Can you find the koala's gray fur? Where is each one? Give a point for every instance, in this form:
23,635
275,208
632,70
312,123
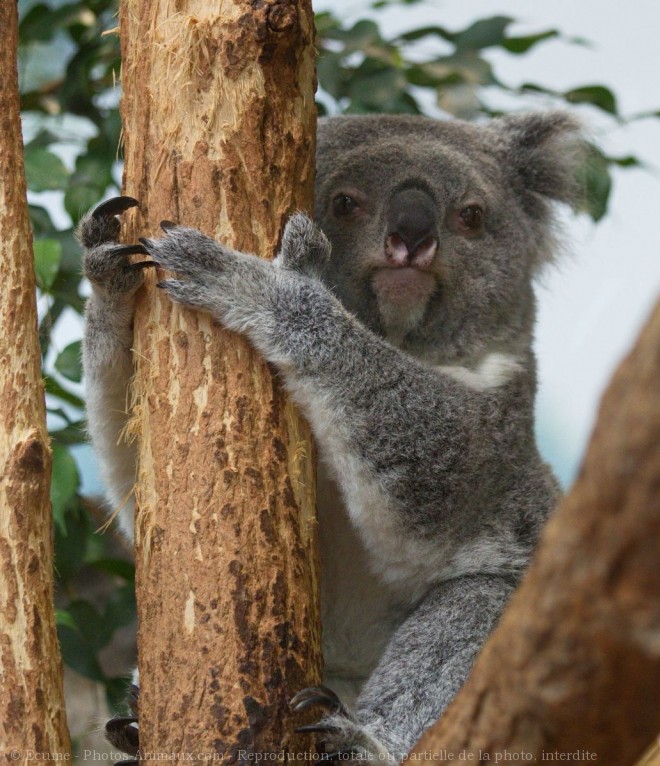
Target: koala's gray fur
414,366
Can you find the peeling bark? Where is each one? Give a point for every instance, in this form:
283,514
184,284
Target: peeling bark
574,666
219,117
32,716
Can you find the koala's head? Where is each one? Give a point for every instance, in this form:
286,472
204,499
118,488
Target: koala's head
437,228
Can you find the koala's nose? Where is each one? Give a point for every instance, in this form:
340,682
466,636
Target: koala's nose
411,229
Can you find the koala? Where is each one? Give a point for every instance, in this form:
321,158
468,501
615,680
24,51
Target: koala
401,322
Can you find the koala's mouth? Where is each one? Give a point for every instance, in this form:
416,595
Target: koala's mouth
406,288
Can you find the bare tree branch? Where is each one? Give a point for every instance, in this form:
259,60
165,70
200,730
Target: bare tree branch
32,716
219,117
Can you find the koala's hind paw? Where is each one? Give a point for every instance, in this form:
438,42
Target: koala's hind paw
101,225
106,263
341,735
122,731
305,247
319,696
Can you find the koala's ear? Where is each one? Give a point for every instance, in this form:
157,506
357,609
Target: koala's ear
544,152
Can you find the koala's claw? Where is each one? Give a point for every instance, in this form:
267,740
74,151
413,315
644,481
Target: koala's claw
342,736
114,206
121,732
105,262
319,696
127,250
167,225
321,727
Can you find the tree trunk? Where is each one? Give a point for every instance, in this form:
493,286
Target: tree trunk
219,118
32,715
574,666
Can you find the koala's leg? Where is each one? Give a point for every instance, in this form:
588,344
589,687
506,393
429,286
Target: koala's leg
426,662
107,342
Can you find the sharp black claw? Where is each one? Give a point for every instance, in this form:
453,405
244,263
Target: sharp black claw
129,250
167,225
316,695
121,733
114,206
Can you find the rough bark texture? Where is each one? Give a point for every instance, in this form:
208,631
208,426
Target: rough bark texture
574,666
32,714
219,122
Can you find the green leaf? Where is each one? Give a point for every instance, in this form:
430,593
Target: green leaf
466,67
417,34
325,23
42,139
71,546
59,412
79,199
598,95
42,225
78,654
330,73
91,624
530,87
118,567
483,33
47,259
378,90
44,171
70,435
55,389
360,36
62,617
64,485
69,364
520,45
42,21
626,162
120,609
594,175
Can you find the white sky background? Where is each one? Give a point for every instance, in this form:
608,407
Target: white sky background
592,306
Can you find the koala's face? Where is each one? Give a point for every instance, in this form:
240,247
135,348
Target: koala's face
437,227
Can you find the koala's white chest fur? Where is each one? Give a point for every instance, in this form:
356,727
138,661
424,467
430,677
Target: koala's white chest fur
358,611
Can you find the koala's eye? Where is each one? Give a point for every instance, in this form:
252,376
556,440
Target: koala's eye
472,217
342,204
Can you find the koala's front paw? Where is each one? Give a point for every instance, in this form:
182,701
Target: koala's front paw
211,277
105,262
341,735
122,731
305,247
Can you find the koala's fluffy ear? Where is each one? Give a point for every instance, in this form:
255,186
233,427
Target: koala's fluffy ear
544,152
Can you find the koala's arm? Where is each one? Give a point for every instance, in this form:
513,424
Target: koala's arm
416,451
107,357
